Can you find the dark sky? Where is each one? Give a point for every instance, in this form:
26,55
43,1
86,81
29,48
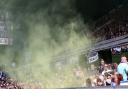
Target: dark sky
93,9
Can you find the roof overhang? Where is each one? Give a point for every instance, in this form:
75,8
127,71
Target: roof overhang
122,40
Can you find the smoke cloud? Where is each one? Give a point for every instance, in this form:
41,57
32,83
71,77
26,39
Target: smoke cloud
48,38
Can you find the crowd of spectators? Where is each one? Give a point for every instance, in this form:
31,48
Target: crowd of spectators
119,49
112,74
112,30
7,83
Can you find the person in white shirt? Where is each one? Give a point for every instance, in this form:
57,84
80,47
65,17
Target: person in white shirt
123,68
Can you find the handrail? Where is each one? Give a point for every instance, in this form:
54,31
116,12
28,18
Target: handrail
113,39
111,44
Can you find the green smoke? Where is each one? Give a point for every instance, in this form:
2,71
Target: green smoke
48,37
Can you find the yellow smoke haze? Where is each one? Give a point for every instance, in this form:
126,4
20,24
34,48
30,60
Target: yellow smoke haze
47,44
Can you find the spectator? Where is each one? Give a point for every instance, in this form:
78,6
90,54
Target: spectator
88,82
116,78
94,81
114,67
106,70
117,50
100,82
123,68
101,68
108,80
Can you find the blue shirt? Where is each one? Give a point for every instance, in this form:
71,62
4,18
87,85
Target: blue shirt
123,70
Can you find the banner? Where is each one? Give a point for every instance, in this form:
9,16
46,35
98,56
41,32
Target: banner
92,57
4,41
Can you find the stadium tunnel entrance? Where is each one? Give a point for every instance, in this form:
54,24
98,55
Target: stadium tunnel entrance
105,55
108,50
